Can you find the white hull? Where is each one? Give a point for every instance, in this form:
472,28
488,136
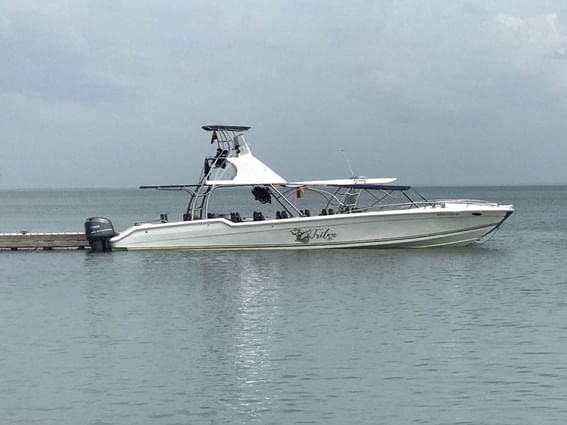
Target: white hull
453,225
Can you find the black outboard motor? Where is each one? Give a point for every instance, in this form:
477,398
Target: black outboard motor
99,231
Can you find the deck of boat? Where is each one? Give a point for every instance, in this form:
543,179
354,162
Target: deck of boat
43,241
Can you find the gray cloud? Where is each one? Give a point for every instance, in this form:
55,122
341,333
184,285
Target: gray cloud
431,92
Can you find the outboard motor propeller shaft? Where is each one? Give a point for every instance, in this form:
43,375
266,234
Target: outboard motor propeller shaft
99,231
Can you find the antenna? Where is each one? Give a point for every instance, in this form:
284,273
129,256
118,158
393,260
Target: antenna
348,163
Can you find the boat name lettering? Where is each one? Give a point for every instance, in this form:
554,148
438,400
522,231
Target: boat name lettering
308,235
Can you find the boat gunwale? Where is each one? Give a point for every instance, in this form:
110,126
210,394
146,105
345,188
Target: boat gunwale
406,214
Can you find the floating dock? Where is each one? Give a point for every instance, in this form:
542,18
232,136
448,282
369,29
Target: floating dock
43,241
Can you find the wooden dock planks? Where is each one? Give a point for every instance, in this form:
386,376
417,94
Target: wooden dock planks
45,241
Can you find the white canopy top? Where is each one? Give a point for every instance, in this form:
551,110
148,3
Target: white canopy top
249,171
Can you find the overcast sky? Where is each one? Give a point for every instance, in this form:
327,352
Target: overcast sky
112,93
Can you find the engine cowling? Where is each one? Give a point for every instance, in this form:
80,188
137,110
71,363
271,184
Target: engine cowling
99,231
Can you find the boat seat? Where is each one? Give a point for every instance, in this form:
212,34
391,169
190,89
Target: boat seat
235,217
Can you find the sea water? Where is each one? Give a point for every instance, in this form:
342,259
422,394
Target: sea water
474,335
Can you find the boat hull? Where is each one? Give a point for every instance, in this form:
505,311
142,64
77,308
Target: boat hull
457,225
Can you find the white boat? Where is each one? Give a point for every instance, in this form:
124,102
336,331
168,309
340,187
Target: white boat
356,212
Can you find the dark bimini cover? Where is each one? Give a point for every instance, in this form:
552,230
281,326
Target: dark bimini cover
372,186
225,127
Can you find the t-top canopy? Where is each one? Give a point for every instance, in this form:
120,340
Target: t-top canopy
225,127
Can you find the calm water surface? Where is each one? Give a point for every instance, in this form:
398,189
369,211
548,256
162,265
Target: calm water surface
447,336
